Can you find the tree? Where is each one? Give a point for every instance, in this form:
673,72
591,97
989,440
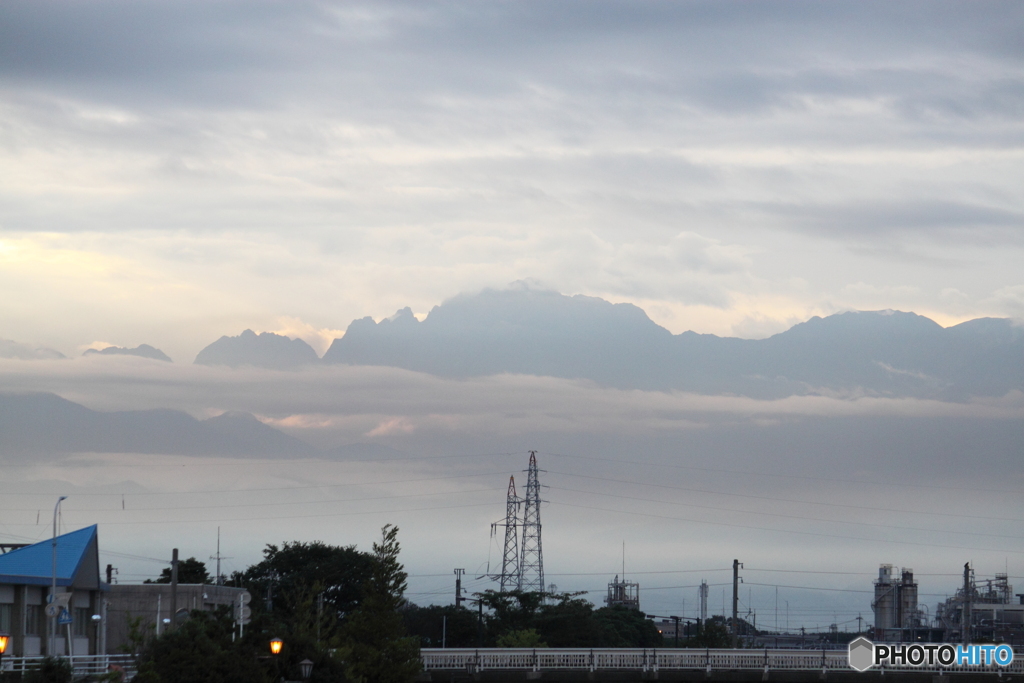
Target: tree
435,625
713,633
527,637
624,627
292,574
377,648
201,650
50,670
189,571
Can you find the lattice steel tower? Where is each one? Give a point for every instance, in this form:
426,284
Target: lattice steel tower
510,576
531,562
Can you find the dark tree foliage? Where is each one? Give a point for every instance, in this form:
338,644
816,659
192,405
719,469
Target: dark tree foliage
294,574
509,611
51,670
377,649
459,625
624,627
567,623
712,633
565,620
189,571
200,650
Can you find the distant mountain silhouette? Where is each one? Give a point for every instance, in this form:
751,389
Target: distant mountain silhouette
46,423
264,350
142,350
546,333
16,350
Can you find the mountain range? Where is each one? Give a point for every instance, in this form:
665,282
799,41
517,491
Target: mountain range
545,333
142,351
522,331
42,423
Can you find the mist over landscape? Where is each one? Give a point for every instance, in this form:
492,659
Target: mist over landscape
747,277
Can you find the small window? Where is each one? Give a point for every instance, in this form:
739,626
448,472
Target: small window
5,618
80,622
33,620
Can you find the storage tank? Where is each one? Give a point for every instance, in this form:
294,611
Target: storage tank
884,604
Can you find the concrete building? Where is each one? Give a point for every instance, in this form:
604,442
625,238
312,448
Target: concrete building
150,604
26,576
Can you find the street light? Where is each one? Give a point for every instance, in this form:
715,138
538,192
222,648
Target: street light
307,668
275,646
53,586
5,638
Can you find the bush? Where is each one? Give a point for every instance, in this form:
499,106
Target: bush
51,670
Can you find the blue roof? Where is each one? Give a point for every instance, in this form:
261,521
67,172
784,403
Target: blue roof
33,564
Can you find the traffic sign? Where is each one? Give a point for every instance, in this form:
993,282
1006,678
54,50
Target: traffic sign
53,609
62,599
65,618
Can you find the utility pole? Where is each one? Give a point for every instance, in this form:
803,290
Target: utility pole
53,587
218,557
480,623
174,587
965,624
736,564
704,600
458,587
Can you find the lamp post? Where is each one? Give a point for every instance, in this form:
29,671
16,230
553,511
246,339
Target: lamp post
275,646
307,669
53,585
6,638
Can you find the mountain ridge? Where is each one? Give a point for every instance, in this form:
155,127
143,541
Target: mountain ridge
536,332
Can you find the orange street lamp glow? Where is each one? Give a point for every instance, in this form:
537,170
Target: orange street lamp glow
4,638
275,646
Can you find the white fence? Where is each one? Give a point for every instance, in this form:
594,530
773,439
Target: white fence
653,660
82,665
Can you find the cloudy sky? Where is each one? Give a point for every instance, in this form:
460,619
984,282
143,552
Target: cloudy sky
172,172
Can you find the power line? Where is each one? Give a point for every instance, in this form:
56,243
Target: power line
297,502
788,531
787,500
330,514
785,516
269,488
754,473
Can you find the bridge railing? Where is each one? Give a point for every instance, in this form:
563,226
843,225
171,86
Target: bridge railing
82,665
668,658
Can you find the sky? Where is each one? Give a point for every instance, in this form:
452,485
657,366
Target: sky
171,172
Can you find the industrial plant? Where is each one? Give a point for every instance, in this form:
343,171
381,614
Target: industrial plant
981,610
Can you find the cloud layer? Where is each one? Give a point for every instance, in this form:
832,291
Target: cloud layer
183,171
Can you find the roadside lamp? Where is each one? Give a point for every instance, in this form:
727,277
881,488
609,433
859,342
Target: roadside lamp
4,639
307,668
275,646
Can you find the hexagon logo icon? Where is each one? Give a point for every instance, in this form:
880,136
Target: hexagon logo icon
861,654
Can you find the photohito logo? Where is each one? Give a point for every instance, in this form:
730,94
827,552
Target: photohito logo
863,654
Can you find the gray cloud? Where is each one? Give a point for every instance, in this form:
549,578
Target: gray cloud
722,474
